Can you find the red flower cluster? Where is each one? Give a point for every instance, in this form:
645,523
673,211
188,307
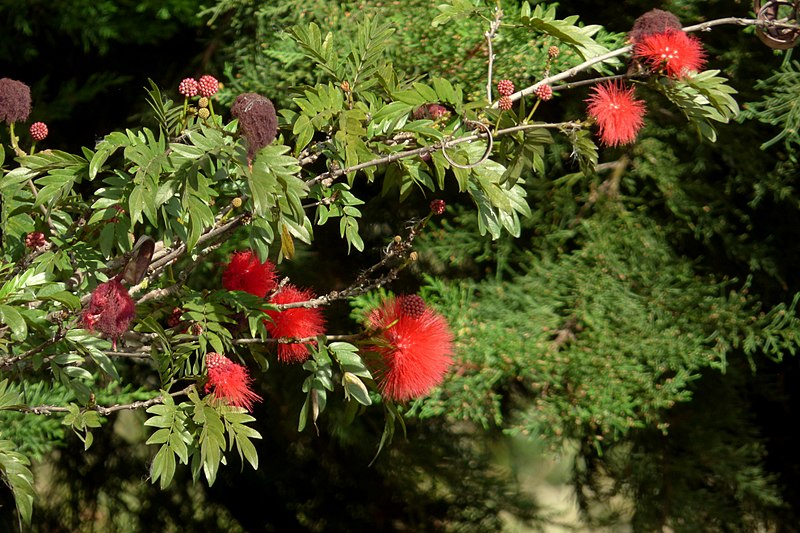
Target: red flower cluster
110,310
246,273
430,111
438,206
294,323
415,345
673,51
206,86
505,103
35,239
230,382
618,114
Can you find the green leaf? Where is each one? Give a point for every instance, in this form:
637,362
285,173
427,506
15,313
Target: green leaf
15,473
14,320
355,388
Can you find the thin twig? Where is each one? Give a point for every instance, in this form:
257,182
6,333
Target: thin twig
103,410
493,26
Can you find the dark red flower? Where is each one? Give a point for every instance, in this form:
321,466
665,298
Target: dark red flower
438,206
35,239
673,51
246,273
110,310
415,349
230,382
257,121
618,114
294,323
430,111
15,101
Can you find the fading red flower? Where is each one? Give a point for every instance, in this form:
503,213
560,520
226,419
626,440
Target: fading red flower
618,114
110,310
415,348
654,21
674,51
294,323
246,273
230,382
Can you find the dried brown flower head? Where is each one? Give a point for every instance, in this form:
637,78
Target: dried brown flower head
257,120
15,101
654,21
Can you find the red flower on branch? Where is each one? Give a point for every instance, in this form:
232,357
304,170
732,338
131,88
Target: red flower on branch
618,114
673,51
415,345
246,273
110,310
294,323
230,382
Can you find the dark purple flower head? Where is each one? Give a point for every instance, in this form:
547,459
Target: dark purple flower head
15,101
654,21
257,120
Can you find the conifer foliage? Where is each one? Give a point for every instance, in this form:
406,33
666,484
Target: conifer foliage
592,327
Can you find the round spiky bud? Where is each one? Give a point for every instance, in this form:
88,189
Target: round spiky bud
544,92
197,329
203,113
412,306
236,202
35,239
188,87
505,87
345,85
437,206
202,102
207,86
38,131
553,52
505,103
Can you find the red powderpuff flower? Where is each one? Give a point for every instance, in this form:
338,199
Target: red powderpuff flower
110,310
246,273
415,348
618,114
294,323
674,51
230,382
